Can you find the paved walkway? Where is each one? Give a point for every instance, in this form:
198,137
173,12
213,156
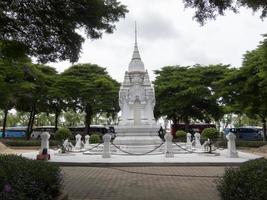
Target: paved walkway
142,183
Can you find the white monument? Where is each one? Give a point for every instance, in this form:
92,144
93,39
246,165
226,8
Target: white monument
137,100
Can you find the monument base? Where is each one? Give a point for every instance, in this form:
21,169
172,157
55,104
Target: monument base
137,135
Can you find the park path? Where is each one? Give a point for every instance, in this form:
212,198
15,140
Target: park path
142,183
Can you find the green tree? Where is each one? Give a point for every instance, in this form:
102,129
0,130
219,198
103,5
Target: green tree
33,95
11,77
210,9
186,93
245,89
88,88
48,29
73,118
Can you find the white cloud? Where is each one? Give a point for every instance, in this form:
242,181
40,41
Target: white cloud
167,35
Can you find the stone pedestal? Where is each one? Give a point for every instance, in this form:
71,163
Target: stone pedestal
137,135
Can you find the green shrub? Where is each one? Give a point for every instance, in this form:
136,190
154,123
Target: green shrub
63,134
94,138
211,133
27,143
24,179
180,134
248,182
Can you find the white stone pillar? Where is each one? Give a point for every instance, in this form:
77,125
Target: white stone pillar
106,152
168,145
87,144
197,140
231,147
44,142
188,141
78,144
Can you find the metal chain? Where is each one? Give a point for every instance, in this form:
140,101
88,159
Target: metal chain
183,148
137,154
193,151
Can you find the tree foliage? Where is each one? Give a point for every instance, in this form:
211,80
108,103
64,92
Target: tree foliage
48,29
88,88
245,89
210,9
185,93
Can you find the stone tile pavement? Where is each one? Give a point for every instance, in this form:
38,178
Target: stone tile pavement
142,183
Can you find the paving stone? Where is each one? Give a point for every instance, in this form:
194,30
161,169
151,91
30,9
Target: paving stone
142,183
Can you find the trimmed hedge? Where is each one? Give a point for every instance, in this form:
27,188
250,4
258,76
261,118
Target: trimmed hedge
247,182
25,179
180,134
211,133
94,138
63,134
27,143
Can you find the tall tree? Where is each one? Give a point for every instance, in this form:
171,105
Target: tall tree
210,9
12,59
185,93
48,29
88,88
245,88
33,95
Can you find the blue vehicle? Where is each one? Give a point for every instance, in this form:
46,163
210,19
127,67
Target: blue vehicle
14,132
245,133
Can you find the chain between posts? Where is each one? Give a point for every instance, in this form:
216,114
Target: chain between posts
192,151
137,154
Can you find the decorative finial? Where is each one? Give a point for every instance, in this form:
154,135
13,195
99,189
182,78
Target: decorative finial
135,33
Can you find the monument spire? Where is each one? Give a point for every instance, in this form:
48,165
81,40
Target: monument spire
136,64
135,33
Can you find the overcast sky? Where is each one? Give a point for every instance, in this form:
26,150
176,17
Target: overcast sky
167,35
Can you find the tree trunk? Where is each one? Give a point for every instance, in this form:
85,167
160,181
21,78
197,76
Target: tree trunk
88,118
264,129
4,123
186,121
30,123
28,134
56,120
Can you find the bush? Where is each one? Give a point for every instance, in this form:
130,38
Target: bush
63,134
27,143
211,133
94,138
180,134
248,182
24,179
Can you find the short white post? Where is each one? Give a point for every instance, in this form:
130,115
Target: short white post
87,138
231,147
188,141
45,142
78,144
197,140
168,145
44,151
106,152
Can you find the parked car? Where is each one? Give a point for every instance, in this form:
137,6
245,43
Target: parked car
14,132
245,133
